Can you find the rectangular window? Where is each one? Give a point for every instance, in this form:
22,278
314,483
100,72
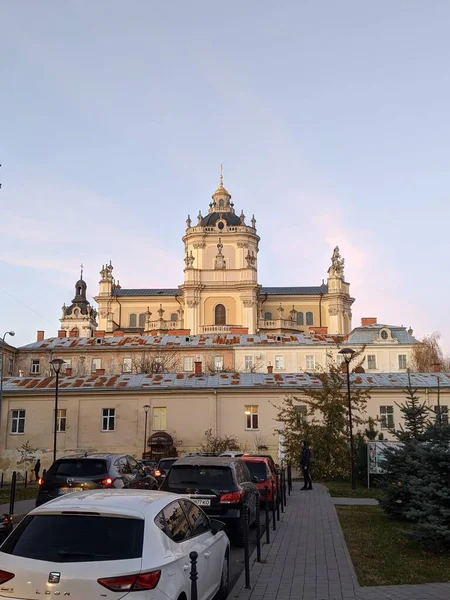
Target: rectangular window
443,413
126,367
61,420
188,363
96,364
17,421
302,413
10,366
387,417
248,363
108,419
310,362
159,418
251,417
402,361
218,363
279,361
371,361
340,359
35,366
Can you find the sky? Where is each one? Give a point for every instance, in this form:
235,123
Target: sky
331,120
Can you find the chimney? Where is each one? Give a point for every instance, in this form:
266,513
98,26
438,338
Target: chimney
68,371
40,336
20,373
368,321
270,368
62,333
99,334
198,367
436,368
74,333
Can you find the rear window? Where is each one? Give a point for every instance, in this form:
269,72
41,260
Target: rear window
87,467
257,469
166,464
76,538
210,477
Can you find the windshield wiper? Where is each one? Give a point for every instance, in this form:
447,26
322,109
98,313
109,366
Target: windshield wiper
90,554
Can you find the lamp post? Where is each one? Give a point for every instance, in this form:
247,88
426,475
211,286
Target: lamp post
56,363
348,353
12,334
146,409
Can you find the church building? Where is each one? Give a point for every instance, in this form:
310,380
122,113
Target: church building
220,293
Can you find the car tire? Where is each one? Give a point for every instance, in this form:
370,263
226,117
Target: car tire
222,593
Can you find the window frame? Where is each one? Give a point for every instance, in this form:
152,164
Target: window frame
158,417
127,361
308,366
248,362
300,318
309,318
35,362
60,418
268,316
111,416
218,362
301,411
372,358
252,418
174,317
191,362
386,411
278,362
132,319
220,314
17,420
403,358
94,362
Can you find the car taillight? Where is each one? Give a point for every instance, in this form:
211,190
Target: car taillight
157,473
233,498
40,481
107,482
131,583
5,576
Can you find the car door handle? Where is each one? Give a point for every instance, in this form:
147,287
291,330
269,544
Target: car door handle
207,554
186,567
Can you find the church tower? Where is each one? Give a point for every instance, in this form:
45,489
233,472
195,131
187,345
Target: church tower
220,289
79,319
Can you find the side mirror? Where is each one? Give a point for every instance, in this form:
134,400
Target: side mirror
255,479
217,526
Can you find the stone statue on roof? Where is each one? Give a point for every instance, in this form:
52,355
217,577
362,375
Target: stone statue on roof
337,264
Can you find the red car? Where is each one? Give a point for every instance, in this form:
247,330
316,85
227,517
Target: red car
261,468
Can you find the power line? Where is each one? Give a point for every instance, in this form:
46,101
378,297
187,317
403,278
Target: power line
25,305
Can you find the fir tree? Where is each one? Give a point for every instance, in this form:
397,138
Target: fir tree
415,416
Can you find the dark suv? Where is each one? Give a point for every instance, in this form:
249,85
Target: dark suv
91,472
219,485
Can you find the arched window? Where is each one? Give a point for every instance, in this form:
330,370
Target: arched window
142,320
267,316
309,318
132,320
79,291
174,317
220,315
300,318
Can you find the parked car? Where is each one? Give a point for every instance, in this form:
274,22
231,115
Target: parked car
220,485
109,543
6,526
163,466
261,469
94,471
149,466
232,453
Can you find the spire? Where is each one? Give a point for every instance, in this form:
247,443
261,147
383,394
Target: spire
221,176
81,276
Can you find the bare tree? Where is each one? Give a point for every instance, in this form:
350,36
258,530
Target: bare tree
427,353
217,444
210,367
156,362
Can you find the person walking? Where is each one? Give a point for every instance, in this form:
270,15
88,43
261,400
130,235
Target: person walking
305,463
37,468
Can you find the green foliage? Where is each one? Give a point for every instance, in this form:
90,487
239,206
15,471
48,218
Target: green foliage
415,415
326,423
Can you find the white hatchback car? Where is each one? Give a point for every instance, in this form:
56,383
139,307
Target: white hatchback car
108,543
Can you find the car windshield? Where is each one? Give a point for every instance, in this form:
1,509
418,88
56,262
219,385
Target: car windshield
166,464
76,538
210,477
86,467
257,469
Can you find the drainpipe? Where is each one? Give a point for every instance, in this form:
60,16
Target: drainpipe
320,309
181,308
120,311
215,411
265,298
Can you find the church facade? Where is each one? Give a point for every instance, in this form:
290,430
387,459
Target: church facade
220,293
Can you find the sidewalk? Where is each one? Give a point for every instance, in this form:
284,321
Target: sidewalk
21,508
307,559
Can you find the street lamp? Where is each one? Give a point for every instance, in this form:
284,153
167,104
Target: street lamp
146,409
348,353
12,334
56,363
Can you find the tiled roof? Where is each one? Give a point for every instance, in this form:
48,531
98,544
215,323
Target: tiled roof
369,333
186,381
295,291
193,341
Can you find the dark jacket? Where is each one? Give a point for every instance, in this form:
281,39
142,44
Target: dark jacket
305,457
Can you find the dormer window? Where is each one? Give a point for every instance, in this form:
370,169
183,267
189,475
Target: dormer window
220,225
384,335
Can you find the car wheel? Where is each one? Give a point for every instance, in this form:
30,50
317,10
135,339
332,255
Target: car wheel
222,593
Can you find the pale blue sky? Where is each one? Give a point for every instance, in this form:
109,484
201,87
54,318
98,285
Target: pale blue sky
331,119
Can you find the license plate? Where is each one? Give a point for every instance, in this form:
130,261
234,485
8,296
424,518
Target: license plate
201,501
70,490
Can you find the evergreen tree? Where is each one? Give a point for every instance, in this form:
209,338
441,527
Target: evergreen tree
415,416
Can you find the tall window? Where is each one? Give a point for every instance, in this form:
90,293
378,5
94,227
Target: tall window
248,363
300,320
108,419
66,365
218,363
188,363
127,365
441,411
17,421
301,414
267,316
402,364
371,361
279,361
309,318
220,316
35,366
159,418
61,419
96,364
387,417
251,417
142,320
310,362
174,317
132,320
